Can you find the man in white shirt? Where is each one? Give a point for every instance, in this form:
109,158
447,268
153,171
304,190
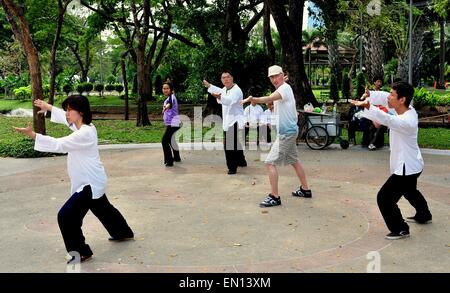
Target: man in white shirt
253,113
406,163
230,96
284,149
373,135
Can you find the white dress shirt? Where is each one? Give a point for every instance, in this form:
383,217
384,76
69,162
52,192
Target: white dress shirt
83,160
232,110
403,130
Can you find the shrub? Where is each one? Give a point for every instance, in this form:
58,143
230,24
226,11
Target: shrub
67,88
88,87
422,97
22,93
80,88
118,88
21,149
99,87
109,87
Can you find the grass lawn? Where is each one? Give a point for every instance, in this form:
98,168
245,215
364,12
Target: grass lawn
8,105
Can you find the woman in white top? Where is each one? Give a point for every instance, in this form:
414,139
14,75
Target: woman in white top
406,163
87,175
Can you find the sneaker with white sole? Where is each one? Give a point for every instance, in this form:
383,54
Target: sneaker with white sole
270,201
302,193
399,235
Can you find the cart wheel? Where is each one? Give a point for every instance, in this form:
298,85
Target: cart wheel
344,144
317,137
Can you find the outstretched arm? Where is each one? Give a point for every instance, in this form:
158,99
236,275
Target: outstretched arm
28,131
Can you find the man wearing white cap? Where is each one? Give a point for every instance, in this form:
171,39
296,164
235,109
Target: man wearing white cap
284,149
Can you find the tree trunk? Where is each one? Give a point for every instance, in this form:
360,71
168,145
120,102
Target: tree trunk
403,57
268,34
125,85
290,35
375,55
21,31
441,82
142,115
61,11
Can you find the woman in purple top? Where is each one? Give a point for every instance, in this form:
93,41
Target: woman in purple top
172,123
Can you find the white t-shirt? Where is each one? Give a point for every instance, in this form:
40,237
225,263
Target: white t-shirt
83,159
232,110
253,114
285,110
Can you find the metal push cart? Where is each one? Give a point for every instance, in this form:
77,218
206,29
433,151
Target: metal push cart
322,130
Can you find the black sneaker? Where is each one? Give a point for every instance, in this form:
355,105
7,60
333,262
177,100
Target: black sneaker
119,239
231,172
177,160
395,236
270,201
302,193
418,221
83,258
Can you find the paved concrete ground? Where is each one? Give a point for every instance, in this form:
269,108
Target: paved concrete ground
195,218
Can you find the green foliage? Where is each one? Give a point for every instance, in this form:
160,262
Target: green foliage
118,88
67,88
99,87
80,88
334,91
23,93
109,87
111,79
88,87
21,149
422,97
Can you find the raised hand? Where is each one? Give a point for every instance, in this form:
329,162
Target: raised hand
364,103
206,84
248,100
44,106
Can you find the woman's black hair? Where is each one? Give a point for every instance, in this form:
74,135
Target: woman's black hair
169,84
80,104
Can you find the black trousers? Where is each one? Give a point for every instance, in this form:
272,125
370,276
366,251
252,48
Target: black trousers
170,145
391,192
247,131
72,213
234,153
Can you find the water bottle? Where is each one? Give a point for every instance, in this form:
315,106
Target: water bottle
324,108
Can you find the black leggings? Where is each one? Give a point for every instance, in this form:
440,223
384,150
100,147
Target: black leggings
170,145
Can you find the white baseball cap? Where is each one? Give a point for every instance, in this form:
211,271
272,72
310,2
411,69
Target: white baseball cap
274,70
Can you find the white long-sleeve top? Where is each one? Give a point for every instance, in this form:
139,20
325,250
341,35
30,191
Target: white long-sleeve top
253,114
83,159
403,130
379,98
232,110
